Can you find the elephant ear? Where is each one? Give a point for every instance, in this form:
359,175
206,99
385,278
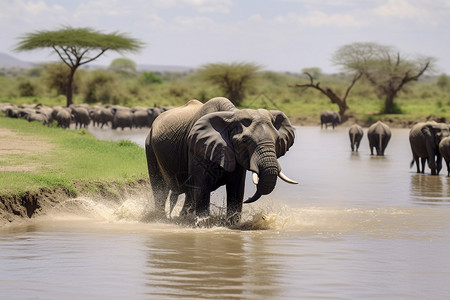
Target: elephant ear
209,139
285,130
428,132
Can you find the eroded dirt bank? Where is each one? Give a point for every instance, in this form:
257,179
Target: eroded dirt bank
17,208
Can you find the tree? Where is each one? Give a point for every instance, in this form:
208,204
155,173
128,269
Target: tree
77,46
384,67
340,101
233,79
123,66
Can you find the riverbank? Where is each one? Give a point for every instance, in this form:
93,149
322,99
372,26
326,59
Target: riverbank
41,166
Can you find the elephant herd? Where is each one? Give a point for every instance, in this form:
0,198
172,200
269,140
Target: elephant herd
114,116
430,142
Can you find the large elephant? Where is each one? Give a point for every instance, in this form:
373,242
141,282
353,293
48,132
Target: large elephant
144,117
444,150
196,148
379,135
424,138
355,133
63,117
329,116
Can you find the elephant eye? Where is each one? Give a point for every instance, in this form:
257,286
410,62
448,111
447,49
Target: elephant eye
246,122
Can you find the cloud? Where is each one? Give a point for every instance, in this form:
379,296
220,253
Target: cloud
317,18
398,9
210,6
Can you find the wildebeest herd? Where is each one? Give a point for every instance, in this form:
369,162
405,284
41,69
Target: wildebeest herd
113,116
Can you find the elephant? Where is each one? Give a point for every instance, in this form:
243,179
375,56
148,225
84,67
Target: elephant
80,116
63,118
37,117
101,116
196,148
329,116
122,117
379,135
145,117
355,133
444,150
424,138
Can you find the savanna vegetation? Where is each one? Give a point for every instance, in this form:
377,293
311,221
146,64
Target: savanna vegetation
63,157
429,96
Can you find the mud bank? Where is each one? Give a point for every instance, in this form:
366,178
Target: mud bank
19,208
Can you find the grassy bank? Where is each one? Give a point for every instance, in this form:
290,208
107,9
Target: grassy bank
49,157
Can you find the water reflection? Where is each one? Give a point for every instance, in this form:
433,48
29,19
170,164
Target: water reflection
429,189
206,265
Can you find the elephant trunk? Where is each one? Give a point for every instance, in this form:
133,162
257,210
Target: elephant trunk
267,170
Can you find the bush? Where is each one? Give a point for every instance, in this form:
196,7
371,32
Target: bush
26,88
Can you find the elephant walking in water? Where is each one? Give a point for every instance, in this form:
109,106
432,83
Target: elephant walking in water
444,150
424,138
329,117
196,148
356,133
379,135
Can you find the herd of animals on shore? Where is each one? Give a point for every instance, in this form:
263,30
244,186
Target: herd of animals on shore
216,133
430,141
82,115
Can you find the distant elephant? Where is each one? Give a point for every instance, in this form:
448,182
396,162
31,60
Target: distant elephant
355,133
101,116
424,138
444,149
145,117
122,117
37,117
63,118
196,148
379,135
328,116
80,116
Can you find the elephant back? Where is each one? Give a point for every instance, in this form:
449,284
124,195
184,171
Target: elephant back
417,140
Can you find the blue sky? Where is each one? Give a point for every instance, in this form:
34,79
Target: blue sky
280,35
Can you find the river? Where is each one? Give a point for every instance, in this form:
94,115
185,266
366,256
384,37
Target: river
355,227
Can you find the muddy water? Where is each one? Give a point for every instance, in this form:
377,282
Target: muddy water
356,227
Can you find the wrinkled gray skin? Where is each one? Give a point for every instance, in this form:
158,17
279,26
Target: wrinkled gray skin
444,150
329,117
379,135
196,148
80,117
145,117
355,133
63,118
424,139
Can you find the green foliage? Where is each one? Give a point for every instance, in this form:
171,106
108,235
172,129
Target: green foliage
123,66
234,79
150,77
443,82
26,88
313,71
73,155
56,77
101,87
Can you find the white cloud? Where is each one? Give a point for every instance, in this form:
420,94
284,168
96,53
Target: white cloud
398,9
317,18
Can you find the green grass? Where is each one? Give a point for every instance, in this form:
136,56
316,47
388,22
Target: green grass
74,155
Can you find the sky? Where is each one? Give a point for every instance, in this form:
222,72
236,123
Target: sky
279,35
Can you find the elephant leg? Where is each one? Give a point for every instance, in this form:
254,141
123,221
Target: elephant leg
188,207
160,188
438,163
235,196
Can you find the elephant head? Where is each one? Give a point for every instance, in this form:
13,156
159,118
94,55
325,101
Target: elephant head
253,139
435,132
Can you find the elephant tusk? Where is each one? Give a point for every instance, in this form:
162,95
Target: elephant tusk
255,178
287,179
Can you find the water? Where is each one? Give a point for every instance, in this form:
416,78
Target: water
356,227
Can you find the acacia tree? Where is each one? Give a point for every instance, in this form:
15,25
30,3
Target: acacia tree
384,67
77,47
340,101
233,79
